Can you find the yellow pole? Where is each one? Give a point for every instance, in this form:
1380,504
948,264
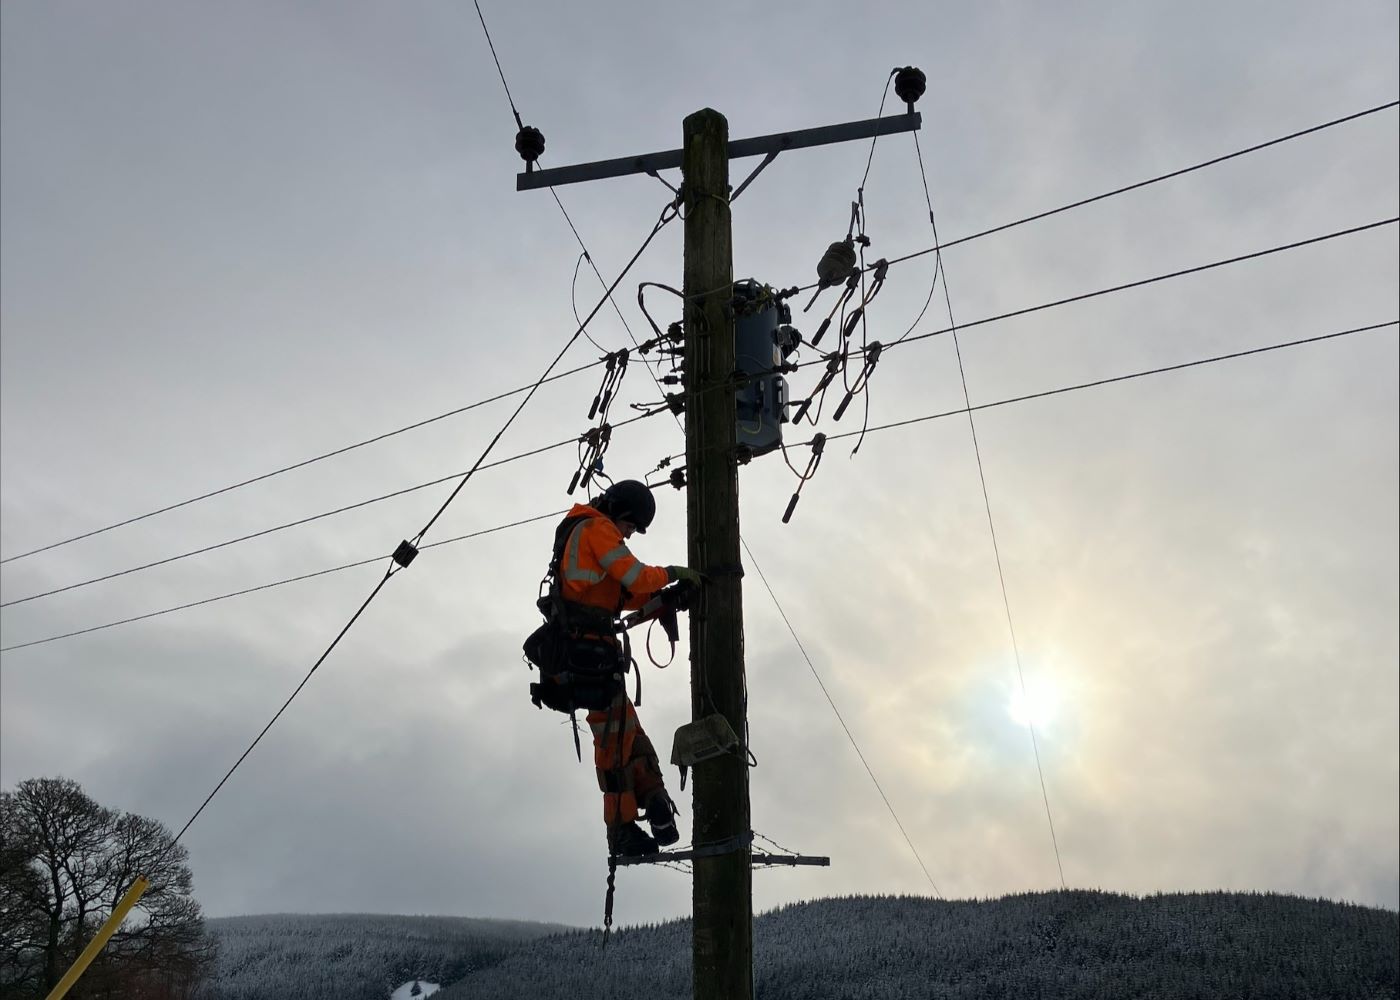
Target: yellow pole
76,970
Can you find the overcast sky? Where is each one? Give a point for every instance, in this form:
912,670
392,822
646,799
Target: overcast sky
239,235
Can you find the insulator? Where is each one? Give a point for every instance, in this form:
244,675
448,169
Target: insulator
836,264
909,84
529,143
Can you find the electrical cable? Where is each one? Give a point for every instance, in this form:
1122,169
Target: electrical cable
1131,284
314,517
883,427
991,522
1139,184
1117,378
298,465
513,111
952,243
839,718
275,583
573,299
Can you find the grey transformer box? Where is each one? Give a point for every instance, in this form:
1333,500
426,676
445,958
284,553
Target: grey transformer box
762,340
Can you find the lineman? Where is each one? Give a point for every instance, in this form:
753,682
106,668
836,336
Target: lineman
595,578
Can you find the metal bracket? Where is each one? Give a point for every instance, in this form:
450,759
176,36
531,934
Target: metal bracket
772,155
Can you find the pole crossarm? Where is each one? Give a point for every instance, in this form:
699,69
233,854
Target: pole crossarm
755,859
763,145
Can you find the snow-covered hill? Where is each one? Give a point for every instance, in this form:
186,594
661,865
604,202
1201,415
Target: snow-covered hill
355,956
1075,945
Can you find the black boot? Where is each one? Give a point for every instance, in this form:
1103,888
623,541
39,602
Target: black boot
628,840
661,816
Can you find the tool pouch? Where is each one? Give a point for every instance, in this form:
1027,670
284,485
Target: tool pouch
575,672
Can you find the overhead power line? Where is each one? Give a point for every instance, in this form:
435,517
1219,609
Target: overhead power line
834,437
276,583
1137,185
312,518
1113,379
302,464
854,351
1124,287
963,239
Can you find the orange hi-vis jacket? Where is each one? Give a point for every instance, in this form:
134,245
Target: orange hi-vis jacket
598,570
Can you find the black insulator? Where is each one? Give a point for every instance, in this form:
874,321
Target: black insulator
405,553
836,264
909,84
529,143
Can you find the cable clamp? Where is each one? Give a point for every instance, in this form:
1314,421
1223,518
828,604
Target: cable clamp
405,553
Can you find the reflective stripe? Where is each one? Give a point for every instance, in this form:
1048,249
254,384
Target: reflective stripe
630,577
611,557
572,572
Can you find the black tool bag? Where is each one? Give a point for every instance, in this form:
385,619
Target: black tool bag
576,673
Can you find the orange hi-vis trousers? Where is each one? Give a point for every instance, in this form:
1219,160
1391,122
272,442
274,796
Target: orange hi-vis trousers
628,769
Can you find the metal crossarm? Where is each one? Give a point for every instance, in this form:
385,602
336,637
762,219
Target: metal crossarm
769,145
662,857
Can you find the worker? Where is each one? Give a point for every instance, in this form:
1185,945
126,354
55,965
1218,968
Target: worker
597,577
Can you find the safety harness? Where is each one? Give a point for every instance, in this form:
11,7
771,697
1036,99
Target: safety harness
582,663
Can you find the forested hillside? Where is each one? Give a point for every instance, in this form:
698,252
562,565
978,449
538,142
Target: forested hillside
1075,945
353,956
1069,946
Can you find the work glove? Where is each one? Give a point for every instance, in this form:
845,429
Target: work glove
675,573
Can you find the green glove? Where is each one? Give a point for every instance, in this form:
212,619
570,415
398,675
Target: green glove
685,573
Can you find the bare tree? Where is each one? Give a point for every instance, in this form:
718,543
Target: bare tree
65,862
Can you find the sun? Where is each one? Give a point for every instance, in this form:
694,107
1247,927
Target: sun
1037,704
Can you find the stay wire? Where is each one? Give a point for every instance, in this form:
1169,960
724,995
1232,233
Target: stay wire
276,583
991,522
1137,185
839,718
302,464
666,215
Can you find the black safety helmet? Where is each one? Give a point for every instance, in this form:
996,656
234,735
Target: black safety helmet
630,500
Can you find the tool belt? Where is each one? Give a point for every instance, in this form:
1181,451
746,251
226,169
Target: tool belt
578,670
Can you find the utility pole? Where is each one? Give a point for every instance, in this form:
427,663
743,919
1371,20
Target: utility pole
721,849
723,912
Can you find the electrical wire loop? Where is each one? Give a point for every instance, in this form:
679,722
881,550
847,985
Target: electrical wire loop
818,447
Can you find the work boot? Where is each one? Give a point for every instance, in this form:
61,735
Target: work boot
661,816
628,840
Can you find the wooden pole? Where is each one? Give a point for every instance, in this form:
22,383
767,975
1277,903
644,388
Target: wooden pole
723,898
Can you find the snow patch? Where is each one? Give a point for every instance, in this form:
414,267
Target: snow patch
405,992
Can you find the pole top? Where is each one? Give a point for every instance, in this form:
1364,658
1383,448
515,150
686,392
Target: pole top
703,117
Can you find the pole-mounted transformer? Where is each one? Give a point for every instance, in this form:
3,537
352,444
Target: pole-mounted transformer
762,340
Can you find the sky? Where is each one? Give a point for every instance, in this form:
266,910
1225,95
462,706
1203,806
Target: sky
236,236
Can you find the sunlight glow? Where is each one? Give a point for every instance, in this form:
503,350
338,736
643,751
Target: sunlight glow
1037,706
